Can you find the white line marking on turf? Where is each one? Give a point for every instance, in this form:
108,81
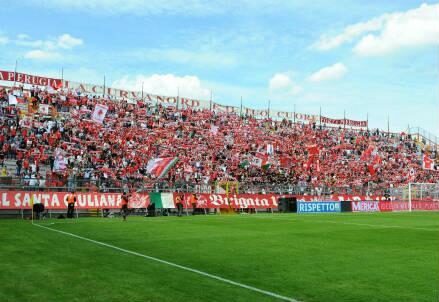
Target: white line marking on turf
379,225
383,226
255,289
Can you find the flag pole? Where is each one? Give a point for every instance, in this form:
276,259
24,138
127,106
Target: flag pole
103,92
240,113
294,114
210,102
15,73
62,78
178,96
388,125
344,119
142,90
367,121
269,108
320,118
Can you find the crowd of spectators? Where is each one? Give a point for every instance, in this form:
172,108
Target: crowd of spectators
211,146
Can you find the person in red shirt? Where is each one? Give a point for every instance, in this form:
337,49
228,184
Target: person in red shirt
25,164
124,209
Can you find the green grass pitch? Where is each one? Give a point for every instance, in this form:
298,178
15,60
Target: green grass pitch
344,257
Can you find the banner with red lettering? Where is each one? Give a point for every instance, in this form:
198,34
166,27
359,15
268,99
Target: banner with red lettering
342,122
230,201
427,162
99,113
14,200
23,78
393,206
175,101
340,197
259,201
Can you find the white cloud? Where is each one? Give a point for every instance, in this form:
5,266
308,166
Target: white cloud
38,54
350,32
165,84
389,32
333,72
413,28
47,50
3,40
282,83
23,37
66,41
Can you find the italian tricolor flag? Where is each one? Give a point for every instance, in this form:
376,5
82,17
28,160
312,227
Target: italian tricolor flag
162,200
160,166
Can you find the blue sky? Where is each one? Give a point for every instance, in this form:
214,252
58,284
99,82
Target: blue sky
375,57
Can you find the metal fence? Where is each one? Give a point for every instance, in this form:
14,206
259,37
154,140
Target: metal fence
104,185
425,137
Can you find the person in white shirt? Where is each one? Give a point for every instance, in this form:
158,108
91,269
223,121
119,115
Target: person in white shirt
33,181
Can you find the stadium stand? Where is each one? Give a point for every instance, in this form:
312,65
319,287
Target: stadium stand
264,155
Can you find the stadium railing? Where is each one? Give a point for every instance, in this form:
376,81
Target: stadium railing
104,185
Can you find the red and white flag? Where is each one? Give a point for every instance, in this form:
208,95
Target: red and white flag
259,160
214,129
427,162
43,109
313,150
371,169
270,149
367,153
188,168
99,113
160,166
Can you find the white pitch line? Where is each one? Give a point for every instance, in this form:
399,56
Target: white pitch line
255,289
379,225
351,223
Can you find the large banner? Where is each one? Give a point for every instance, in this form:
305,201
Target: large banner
393,206
230,201
340,197
99,113
342,122
14,200
23,78
175,101
371,206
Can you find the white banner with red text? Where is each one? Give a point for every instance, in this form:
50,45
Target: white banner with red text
175,101
15,200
